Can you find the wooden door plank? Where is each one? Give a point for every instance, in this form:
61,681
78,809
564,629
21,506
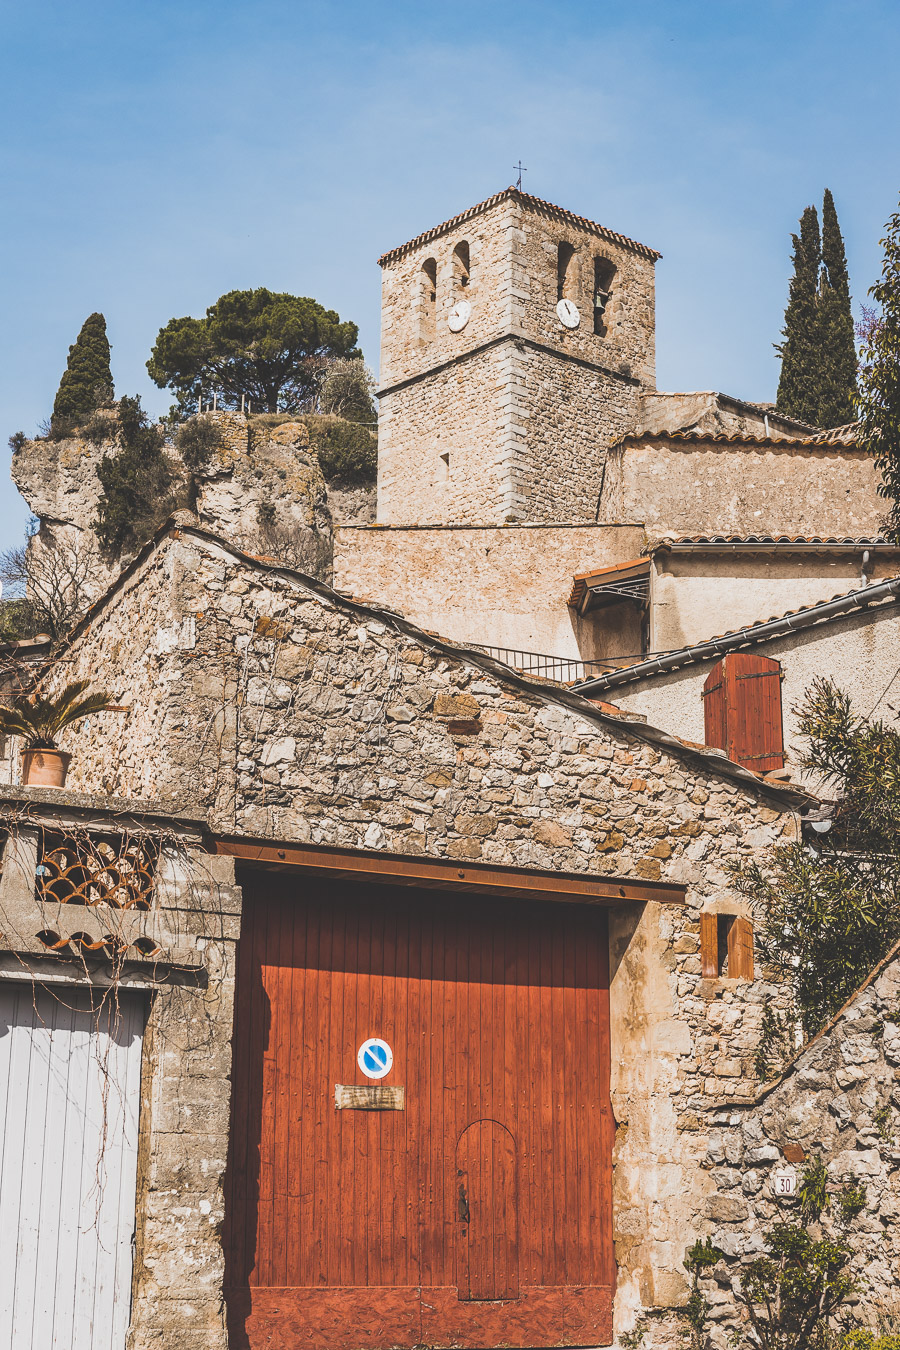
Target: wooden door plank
493,1013
269,1010
280,1103
573,932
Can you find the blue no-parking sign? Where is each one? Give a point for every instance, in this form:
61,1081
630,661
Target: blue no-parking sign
375,1057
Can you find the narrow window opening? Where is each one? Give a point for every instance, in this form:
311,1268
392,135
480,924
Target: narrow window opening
724,925
462,272
726,947
564,271
428,297
444,467
604,272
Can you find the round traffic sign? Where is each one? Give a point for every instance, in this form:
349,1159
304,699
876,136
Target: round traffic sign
375,1057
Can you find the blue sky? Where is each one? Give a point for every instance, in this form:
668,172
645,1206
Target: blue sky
157,154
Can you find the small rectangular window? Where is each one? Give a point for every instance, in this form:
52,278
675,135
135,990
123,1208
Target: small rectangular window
726,947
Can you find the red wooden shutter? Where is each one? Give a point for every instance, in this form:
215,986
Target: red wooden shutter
709,946
740,949
742,710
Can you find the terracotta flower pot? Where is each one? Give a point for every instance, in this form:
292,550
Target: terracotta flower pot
45,768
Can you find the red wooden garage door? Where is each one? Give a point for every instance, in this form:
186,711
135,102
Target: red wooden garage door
478,1215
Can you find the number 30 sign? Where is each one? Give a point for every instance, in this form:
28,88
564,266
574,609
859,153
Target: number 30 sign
784,1182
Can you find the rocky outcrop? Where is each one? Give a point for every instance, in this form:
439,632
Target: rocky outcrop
260,486
263,488
58,479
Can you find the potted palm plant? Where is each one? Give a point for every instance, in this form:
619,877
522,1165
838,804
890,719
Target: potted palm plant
40,720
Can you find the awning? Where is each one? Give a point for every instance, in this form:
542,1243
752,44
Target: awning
611,585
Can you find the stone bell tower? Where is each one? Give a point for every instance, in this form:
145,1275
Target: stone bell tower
516,342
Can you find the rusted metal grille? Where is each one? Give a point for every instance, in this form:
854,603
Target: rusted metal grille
97,870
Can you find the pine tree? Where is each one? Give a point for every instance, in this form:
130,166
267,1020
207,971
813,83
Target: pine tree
837,349
878,402
87,382
798,394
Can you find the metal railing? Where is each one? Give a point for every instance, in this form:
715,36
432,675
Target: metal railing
563,669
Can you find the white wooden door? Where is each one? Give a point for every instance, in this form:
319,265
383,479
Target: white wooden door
69,1099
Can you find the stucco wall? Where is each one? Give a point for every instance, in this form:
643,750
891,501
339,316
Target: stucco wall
687,487
858,652
698,596
296,715
503,586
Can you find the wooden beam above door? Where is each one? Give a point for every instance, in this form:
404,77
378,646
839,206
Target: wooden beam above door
400,869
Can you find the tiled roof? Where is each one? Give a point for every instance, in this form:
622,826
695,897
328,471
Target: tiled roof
636,567
823,542
838,436
534,204
749,628
763,630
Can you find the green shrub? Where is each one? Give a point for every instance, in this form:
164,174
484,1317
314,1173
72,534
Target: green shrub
348,452
140,484
16,620
197,441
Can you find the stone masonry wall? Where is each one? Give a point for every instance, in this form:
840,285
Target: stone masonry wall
512,434
512,288
501,586
335,723
567,417
462,414
694,486
188,984
840,1102
524,425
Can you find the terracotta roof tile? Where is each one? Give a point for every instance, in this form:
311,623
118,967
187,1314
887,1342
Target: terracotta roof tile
534,204
579,581
826,541
837,436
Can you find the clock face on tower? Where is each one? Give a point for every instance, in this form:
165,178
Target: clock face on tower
459,316
567,313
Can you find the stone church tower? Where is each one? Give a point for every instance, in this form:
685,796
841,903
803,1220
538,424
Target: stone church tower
517,340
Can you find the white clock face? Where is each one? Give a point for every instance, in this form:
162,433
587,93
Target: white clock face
568,314
459,316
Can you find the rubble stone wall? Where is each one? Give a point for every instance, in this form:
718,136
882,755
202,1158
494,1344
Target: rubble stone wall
296,715
839,1102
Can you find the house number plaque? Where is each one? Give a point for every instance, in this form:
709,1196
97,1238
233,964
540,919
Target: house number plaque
784,1181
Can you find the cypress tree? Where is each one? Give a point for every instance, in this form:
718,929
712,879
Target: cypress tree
878,402
798,394
87,382
837,348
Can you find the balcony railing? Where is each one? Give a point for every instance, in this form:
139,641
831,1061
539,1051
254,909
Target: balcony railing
563,669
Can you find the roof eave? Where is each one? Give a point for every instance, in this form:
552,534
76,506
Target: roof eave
530,202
